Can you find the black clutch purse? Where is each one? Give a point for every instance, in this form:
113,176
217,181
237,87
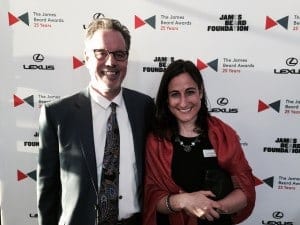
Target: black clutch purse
219,182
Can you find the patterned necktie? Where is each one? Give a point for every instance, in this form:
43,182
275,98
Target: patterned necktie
109,186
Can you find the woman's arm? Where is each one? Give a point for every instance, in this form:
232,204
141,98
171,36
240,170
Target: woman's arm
196,204
233,202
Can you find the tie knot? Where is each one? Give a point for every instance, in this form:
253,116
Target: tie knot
113,107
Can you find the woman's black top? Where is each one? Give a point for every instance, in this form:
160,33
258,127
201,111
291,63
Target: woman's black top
191,168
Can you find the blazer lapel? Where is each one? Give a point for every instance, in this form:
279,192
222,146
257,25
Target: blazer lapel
133,115
136,123
86,136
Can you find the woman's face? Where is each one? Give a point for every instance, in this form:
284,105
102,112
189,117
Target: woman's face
184,98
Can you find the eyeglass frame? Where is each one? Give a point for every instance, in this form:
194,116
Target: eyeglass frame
126,52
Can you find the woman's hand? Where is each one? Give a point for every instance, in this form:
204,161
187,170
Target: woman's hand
197,204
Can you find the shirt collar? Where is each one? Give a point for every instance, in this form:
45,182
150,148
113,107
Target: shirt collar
102,101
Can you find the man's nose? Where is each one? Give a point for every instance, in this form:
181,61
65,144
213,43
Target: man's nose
110,60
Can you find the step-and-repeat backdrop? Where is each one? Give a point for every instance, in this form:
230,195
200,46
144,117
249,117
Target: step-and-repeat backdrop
247,51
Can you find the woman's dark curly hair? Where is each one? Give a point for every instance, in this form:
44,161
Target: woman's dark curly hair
165,124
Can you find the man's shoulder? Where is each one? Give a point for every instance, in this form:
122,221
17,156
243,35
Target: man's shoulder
133,93
67,99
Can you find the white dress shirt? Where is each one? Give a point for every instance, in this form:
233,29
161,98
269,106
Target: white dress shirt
128,200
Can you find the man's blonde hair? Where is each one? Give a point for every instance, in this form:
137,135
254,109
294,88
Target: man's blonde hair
108,24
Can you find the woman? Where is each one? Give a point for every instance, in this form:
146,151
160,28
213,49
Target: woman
196,171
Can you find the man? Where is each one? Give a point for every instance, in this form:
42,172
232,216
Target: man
73,134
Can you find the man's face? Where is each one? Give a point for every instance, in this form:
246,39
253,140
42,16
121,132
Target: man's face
106,73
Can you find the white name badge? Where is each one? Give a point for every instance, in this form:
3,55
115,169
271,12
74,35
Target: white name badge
209,153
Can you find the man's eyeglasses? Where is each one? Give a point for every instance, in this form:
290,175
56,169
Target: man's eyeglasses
102,54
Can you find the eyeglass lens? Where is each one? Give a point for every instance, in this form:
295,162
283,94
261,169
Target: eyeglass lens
102,54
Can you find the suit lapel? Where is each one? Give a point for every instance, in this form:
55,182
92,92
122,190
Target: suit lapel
86,136
136,123
133,115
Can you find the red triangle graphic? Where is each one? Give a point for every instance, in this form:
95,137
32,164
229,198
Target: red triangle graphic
12,19
262,106
77,63
257,181
17,101
138,22
201,65
21,175
270,23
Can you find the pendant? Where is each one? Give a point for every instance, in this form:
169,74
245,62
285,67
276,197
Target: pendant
189,147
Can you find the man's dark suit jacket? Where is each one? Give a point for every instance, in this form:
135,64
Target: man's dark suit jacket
67,174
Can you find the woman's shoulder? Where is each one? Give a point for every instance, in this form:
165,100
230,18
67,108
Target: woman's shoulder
215,122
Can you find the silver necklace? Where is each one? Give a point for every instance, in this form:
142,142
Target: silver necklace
187,148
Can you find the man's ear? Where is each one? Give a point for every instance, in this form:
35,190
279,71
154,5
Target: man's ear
86,58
